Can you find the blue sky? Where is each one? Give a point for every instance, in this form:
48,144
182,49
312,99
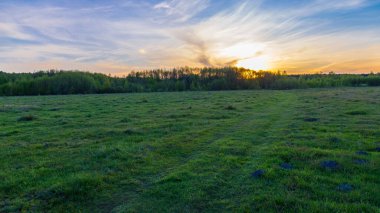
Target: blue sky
116,36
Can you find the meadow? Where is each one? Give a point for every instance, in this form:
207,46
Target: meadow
312,150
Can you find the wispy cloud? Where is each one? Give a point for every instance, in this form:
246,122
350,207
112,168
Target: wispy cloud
180,10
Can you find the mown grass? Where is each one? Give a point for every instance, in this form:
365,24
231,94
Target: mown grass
315,150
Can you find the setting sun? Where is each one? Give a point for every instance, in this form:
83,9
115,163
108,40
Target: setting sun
249,55
259,63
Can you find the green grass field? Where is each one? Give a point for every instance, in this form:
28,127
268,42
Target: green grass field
317,151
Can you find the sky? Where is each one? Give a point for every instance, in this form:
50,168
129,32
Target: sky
117,36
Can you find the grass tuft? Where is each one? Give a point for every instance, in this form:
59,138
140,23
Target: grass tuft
311,119
230,107
357,112
132,132
27,118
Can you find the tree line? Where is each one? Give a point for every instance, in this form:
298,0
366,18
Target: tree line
59,82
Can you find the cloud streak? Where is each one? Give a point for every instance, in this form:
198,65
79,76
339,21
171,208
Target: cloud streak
180,10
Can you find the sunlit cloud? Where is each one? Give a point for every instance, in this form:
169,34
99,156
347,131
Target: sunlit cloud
116,37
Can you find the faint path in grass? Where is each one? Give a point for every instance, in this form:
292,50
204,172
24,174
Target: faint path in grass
258,124
272,117
217,134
